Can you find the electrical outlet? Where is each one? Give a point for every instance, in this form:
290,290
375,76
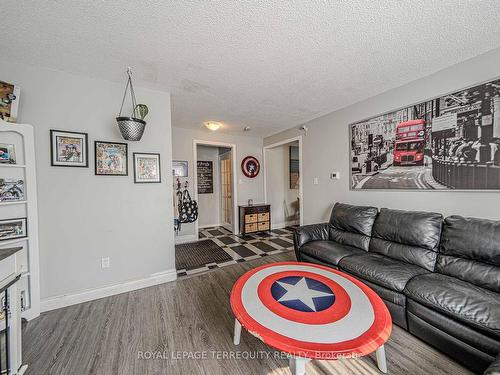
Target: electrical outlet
105,262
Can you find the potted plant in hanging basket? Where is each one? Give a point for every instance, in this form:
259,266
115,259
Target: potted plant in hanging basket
132,127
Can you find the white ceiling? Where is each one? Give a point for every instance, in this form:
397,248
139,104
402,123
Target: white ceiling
268,64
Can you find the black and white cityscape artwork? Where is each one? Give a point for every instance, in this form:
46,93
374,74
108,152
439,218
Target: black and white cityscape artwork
450,142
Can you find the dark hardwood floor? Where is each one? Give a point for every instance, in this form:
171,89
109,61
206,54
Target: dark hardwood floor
191,316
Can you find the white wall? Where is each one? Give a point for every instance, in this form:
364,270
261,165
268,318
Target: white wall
248,188
279,195
326,149
209,204
82,216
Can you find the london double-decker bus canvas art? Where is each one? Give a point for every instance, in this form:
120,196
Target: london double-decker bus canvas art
449,142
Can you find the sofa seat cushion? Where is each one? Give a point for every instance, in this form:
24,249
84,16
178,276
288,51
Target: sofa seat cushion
306,258
459,330
494,368
328,251
460,300
381,270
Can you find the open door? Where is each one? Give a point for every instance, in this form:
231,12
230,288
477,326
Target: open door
226,182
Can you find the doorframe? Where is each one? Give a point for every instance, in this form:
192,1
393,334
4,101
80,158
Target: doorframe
232,146
301,175
220,185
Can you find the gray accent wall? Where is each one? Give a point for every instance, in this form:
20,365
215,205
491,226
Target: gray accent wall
326,149
283,200
83,217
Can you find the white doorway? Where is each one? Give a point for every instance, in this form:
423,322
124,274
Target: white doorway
283,182
222,208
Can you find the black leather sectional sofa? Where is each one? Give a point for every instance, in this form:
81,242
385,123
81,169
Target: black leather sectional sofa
439,277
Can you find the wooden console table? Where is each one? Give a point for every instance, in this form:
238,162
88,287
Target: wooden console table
255,218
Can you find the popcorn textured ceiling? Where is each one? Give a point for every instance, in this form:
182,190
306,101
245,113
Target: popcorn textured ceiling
267,64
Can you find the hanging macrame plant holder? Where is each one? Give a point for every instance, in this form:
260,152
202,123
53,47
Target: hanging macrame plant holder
132,128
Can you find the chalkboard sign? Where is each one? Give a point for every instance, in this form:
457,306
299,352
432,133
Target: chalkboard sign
205,177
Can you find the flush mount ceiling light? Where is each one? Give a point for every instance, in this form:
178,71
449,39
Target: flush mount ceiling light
212,125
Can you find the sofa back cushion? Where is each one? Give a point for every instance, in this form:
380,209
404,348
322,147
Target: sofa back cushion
352,225
409,236
470,251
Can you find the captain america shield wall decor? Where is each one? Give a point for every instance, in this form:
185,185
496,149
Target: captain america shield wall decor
250,166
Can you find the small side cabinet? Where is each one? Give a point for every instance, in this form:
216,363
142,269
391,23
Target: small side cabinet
255,218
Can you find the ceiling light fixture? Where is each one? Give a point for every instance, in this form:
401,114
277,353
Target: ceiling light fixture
212,125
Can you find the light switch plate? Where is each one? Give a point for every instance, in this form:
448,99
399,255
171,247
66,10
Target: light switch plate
315,181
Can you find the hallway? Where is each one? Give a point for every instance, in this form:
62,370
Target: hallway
236,248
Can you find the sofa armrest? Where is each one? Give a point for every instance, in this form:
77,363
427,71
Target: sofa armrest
308,233
494,368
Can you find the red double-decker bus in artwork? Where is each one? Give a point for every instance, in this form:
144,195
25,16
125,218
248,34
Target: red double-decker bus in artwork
410,142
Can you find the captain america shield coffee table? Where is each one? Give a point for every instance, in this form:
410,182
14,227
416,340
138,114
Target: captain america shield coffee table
311,312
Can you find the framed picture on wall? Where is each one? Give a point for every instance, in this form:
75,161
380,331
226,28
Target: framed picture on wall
11,189
146,168
448,142
111,158
205,173
9,101
68,149
7,154
294,166
13,228
180,168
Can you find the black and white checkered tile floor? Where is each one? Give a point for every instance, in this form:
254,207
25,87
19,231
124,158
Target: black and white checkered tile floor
242,248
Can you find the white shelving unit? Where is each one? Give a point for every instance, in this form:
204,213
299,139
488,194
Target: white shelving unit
22,136
14,165
11,203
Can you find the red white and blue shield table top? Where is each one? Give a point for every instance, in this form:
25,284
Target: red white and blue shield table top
310,310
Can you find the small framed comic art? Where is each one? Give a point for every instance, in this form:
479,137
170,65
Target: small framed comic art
111,158
7,154
13,228
180,168
11,190
146,167
68,149
9,101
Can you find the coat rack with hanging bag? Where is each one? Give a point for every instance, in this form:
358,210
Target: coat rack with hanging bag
132,128
187,208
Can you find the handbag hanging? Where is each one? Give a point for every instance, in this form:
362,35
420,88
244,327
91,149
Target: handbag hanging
188,208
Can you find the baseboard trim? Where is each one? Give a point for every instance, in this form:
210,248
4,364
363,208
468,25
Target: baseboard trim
209,226
64,300
185,239
283,225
